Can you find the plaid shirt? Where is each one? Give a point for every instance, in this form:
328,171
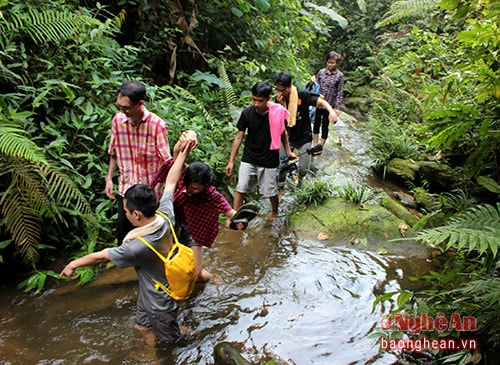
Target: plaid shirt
140,150
331,86
201,213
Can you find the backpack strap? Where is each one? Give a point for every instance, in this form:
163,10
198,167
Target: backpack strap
158,284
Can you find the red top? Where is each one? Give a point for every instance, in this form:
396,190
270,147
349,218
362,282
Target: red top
139,150
200,211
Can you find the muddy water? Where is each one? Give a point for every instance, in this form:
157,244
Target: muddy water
302,302
273,296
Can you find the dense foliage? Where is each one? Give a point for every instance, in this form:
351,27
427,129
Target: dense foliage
425,72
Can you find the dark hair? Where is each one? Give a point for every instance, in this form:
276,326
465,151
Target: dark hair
283,78
262,89
337,56
141,197
198,172
134,90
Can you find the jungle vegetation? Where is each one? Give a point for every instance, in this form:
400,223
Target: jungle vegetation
426,71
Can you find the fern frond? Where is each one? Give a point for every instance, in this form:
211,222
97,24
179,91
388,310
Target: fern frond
14,143
484,291
228,94
24,224
48,25
477,229
404,8
63,190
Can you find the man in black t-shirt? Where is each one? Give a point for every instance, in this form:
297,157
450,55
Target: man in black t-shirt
297,101
264,124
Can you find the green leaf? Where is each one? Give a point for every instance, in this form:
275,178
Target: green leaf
488,183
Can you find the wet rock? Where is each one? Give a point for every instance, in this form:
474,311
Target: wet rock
226,354
405,199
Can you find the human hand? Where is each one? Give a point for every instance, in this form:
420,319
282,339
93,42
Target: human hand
332,117
109,189
68,271
229,169
191,136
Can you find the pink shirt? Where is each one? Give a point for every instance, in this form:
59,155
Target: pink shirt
140,150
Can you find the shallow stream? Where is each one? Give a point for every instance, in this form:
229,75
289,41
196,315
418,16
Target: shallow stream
273,296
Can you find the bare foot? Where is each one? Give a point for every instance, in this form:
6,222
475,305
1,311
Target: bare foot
271,216
204,276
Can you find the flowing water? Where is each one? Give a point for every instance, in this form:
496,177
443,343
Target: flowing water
273,296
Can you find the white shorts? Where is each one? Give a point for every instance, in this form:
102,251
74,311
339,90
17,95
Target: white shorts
249,175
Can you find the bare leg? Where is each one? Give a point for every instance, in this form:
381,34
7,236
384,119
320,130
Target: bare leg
202,276
238,200
315,139
274,208
148,336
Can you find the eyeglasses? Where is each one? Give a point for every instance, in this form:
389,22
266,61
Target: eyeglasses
283,90
125,109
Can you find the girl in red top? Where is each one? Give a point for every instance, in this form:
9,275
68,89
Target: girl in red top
197,205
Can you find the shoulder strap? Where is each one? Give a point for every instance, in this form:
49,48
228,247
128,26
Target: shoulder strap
163,258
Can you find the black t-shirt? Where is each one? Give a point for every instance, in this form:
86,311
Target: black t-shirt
258,139
302,133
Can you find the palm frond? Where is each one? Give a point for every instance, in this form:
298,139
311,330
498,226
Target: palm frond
332,14
476,229
404,8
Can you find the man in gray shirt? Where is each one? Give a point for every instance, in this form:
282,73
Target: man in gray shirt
156,310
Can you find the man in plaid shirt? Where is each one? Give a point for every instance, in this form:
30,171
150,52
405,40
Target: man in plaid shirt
138,147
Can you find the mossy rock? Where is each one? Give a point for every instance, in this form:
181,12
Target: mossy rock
439,176
398,210
369,227
344,221
405,170
226,354
428,201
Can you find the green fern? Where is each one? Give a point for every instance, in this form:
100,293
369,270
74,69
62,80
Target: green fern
404,8
476,229
48,25
34,188
228,93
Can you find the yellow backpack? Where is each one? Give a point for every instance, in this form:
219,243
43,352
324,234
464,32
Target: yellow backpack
180,267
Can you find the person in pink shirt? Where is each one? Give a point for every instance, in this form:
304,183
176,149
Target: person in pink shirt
137,148
261,156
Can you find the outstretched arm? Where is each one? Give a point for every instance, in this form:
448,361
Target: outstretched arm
87,260
175,173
